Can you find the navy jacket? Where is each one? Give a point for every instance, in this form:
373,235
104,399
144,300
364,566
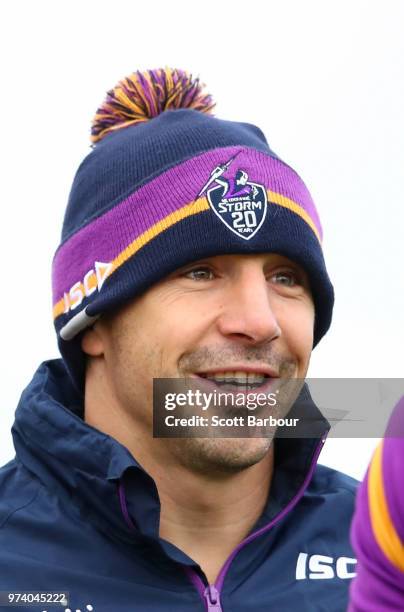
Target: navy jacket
79,515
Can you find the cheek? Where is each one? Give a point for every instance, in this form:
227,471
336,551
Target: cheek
187,317
186,327
152,336
297,324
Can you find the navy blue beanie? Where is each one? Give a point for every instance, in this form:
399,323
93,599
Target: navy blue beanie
164,186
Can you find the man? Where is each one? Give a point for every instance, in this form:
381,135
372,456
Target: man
160,275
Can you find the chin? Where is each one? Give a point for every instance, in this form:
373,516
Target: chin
221,456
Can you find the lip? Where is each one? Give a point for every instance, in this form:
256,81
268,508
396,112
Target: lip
258,369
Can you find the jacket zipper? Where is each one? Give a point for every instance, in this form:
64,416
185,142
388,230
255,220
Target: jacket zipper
212,598
211,593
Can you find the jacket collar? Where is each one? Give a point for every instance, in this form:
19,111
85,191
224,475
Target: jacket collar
98,477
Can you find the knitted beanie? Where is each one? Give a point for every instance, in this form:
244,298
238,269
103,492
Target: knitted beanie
165,184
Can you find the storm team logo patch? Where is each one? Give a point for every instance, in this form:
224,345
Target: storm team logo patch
238,202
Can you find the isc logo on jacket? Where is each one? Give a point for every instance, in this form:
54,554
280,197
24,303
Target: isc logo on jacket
322,567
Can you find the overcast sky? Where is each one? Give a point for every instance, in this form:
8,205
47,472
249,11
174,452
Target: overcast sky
324,81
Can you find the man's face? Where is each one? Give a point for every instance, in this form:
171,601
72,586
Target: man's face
221,315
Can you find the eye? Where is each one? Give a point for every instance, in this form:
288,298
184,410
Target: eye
286,278
202,273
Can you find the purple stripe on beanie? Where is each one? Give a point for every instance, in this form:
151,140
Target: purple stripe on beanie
108,235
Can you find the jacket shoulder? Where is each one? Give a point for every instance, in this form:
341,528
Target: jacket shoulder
18,489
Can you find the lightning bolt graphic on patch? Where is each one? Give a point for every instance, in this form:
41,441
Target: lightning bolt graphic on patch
218,171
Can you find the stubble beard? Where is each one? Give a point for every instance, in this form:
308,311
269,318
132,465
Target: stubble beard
219,456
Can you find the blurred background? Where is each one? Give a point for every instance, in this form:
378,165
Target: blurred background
323,80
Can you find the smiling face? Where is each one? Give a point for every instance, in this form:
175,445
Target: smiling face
242,317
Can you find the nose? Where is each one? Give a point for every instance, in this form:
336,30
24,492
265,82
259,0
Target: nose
246,311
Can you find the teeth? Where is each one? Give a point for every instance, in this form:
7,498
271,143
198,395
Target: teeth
238,376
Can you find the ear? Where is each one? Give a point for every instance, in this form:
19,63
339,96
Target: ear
92,343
